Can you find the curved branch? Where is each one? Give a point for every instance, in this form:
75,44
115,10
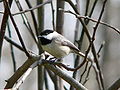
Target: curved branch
66,77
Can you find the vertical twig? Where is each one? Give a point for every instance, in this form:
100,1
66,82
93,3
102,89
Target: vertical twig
46,80
83,71
25,20
97,76
89,37
33,17
53,78
59,17
77,58
86,78
59,29
16,28
93,38
40,15
12,50
53,18
3,25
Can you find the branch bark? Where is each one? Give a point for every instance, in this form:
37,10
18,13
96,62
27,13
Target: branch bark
3,25
66,77
21,70
115,85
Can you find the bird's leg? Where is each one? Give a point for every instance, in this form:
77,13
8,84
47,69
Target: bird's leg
54,60
46,56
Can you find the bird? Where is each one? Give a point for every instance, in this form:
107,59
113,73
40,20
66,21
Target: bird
57,45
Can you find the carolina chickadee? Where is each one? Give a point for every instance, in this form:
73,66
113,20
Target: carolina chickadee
57,45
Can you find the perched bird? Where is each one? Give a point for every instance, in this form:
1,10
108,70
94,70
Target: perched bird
57,45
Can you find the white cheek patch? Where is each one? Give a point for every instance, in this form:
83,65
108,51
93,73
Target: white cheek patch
50,36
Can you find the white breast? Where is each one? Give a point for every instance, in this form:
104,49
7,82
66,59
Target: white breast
56,50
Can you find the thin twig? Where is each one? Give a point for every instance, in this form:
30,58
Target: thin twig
60,16
33,16
91,12
101,46
59,29
97,75
85,70
13,43
86,78
12,50
26,21
85,30
89,37
93,38
46,80
53,18
3,27
36,7
16,28
53,78
93,20
40,70
77,58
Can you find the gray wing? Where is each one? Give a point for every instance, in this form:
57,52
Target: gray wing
70,44
64,42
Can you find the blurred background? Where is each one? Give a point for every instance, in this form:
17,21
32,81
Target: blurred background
109,55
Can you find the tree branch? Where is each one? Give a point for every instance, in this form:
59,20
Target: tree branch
66,77
93,20
21,70
3,25
36,7
115,85
16,28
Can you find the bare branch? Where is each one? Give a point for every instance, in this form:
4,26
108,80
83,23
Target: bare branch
21,70
38,6
14,43
66,77
115,85
26,21
53,18
3,26
11,48
98,53
86,78
23,78
93,38
84,71
60,17
93,20
16,28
